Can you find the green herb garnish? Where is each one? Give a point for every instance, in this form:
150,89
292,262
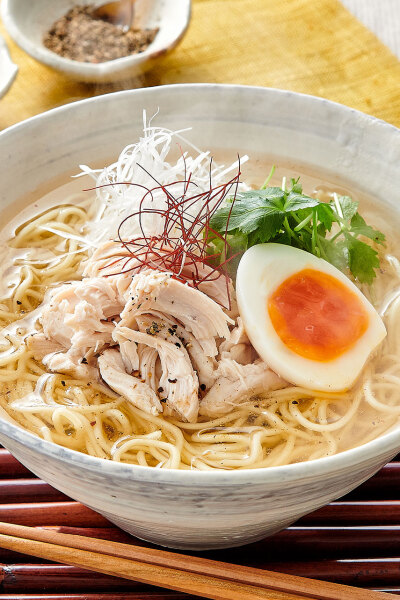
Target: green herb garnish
287,216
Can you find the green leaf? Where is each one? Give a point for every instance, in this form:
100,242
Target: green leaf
274,194
248,217
336,253
359,227
296,186
326,215
295,202
363,260
293,218
267,228
349,207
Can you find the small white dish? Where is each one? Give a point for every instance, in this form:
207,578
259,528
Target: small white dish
8,70
27,22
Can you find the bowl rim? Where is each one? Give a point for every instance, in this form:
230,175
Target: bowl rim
67,65
383,445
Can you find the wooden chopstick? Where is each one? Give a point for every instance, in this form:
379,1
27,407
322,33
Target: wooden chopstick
182,581
193,575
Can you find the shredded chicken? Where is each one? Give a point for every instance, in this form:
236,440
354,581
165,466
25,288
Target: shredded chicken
198,314
40,346
171,330
178,382
110,258
133,389
237,384
148,367
156,341
77,318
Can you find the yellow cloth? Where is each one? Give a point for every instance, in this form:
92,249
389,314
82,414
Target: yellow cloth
315,47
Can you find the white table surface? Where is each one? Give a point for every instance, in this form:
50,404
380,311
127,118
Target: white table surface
381,16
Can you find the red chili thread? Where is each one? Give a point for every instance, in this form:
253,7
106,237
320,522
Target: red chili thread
182,247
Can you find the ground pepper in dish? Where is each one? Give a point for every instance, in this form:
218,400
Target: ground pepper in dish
81,37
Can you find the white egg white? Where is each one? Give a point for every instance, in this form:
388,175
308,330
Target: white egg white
261,271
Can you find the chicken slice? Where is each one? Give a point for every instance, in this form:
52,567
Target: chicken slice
79,309
76,317
109,261
52,355
173,332
148,366
199,314
238,347
40,346
178,380
236,384
238,336
61,362
129,355
133,389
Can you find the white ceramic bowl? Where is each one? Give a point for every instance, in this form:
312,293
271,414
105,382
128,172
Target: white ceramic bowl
191,509
27,21
8,70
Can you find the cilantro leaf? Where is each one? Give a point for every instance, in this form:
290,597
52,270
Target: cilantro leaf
288,216
359,227
348,207
363,260
295,201
249,216
325,215
337,254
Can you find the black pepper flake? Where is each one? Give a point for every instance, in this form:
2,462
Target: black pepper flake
171,331
19,302
177,344
294,402
173,380
138,306
163,399
160,389
63,383
154,328
84,360
203,387
175,327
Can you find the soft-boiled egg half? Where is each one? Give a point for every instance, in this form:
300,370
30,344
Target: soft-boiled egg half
305,318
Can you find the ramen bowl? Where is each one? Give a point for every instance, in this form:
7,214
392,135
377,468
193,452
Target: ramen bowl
201,509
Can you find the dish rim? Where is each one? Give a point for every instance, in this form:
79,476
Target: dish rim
12,68
384,444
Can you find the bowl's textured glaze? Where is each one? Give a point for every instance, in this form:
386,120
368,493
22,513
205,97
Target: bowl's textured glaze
185,509
27,22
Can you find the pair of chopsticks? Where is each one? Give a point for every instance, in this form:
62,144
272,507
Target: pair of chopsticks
179,572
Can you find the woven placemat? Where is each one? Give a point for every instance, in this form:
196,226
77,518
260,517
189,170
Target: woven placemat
311,47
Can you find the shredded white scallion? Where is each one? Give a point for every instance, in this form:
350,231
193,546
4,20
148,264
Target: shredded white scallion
143,166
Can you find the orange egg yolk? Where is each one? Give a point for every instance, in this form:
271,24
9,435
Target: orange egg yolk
316,315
